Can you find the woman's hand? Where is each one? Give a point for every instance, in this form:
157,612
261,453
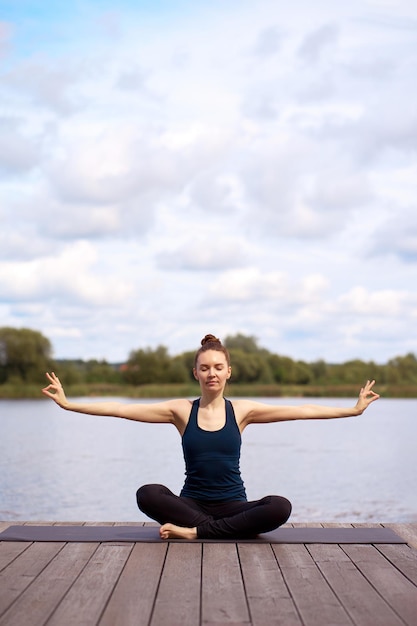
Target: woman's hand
366,396
55,390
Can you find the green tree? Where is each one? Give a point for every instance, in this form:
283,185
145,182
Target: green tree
319,370
147,366
249,367
71,372
406,367
188,360
302,373
25,355
290,372
354,371
245,343
177,371
101,372
281,367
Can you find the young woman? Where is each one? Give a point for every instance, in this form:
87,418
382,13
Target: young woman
213,502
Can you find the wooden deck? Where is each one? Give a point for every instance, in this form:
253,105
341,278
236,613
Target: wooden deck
158,584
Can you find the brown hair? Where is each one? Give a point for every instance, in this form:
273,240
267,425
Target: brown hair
210,342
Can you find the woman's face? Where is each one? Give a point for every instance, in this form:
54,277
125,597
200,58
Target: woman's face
212,370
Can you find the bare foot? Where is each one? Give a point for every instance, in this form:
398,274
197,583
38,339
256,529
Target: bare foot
170,531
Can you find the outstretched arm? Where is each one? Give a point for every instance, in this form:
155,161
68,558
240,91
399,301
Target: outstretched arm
258,413
159,412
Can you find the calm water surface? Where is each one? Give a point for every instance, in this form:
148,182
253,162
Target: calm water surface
56,465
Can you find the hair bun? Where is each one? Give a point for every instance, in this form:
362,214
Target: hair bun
210,342
210,339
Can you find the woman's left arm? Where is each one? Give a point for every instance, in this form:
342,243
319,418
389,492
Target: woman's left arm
259,413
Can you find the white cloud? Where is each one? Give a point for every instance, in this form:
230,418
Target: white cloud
397,235
317,42
208,252
18,151
387,303
160,176
45,83
67,276
5,37
340,190
21,244
251,285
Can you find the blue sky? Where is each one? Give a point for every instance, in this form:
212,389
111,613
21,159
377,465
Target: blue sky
172,169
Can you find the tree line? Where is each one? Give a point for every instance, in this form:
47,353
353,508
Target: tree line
25,356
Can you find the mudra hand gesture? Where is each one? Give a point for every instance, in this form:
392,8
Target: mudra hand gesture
366,396
55,390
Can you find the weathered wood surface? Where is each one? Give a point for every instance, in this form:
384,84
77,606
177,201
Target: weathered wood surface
170,584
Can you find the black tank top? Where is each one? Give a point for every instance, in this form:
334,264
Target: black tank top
212,459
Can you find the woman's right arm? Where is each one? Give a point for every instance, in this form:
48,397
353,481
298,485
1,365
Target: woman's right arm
169,412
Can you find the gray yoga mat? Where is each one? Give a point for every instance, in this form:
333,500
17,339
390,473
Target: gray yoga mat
150,534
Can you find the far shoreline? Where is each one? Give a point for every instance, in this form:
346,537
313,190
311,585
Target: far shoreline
21,391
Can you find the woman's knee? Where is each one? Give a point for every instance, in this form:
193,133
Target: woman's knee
285,507
146,495
282,508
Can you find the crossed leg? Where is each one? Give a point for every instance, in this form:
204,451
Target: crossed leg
189,519
178,516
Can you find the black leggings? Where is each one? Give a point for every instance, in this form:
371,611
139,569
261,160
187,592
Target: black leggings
213,520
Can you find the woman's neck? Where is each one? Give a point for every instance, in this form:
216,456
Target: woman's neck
212,400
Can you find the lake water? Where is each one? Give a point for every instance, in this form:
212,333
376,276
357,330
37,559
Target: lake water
56,465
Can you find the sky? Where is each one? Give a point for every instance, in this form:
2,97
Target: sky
174,168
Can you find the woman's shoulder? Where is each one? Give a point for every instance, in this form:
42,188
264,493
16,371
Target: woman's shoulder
180,404
240,406
181,409
243,408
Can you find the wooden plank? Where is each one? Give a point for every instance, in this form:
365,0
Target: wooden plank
403,558
364,605
270,603
90,592
406,531
23,570
133,598
10,550
336,525
315,600
223,598
307,525
68,523
181,579
392,585
39,600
